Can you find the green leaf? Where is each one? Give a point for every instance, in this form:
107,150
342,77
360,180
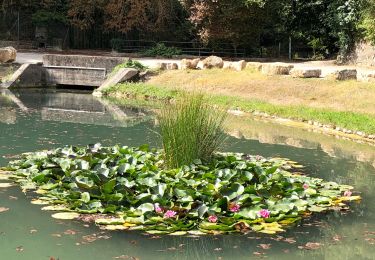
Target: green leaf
146,207
85,197
109,186
232,191
202,210
84,182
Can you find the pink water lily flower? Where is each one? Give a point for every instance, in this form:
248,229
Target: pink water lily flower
212,219
305,186
264,213
170,214
347,193
234,207
158,209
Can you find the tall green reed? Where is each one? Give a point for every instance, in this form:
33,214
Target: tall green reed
190,129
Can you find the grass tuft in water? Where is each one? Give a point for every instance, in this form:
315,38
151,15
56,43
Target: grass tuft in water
191,129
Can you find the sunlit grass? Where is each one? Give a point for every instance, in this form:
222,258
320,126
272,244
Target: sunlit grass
345,119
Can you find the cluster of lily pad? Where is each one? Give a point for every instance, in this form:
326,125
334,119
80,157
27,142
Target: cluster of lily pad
129,188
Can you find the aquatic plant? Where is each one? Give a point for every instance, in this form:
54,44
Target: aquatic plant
128,188
190,129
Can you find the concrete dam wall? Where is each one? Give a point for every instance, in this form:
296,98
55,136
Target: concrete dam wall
75,70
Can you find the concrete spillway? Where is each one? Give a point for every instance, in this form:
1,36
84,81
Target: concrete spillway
74,70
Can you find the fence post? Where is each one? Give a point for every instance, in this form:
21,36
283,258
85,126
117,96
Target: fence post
18,29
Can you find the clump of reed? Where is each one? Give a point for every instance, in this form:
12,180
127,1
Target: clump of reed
191,129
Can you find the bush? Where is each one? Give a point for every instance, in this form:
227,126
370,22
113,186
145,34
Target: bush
190,129
129,64
117,44
161,50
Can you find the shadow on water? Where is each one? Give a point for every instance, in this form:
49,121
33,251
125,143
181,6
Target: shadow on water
40,119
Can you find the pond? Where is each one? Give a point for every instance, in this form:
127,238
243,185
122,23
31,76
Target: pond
39,119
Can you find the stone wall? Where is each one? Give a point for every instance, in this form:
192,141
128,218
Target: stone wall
28,75
83,61
77,76
364,54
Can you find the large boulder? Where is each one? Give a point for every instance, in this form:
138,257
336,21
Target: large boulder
8,54
277,68
254,65
343,74
213,62
305,73
167,66
238,66
187,64
368,76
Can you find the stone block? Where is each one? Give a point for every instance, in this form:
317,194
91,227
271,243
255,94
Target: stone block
276,68
8,54
305,73
213,62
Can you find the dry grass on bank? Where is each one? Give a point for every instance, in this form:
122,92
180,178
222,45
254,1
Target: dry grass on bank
350,96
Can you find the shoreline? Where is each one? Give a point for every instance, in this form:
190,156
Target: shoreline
334,131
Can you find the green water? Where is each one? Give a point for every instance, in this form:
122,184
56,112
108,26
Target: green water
32,120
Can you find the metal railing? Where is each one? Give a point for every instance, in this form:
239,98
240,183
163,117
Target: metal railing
187,48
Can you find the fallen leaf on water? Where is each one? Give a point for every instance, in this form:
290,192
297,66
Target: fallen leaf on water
13,198
290,240
126,257
32,231
70,232
56,235
265,246
258,253
310,246
93,237
2,209
337,238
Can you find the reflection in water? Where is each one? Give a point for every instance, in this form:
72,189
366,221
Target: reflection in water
271,133
55,118
69,107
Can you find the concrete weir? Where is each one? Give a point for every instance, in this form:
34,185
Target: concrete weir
73,70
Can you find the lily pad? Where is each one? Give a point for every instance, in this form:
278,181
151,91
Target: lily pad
110,221
114,227
130,188
56,208
6,185
40,202
66,215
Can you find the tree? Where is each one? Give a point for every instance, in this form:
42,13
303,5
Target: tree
227,21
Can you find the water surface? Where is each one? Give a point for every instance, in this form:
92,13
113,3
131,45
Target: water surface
34,119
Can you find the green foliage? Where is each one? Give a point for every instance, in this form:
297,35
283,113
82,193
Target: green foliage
319,49
129,64
162,50
368,21
117,44
45,18
190,129
226,195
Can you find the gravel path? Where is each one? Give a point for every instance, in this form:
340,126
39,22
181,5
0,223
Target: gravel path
327,67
